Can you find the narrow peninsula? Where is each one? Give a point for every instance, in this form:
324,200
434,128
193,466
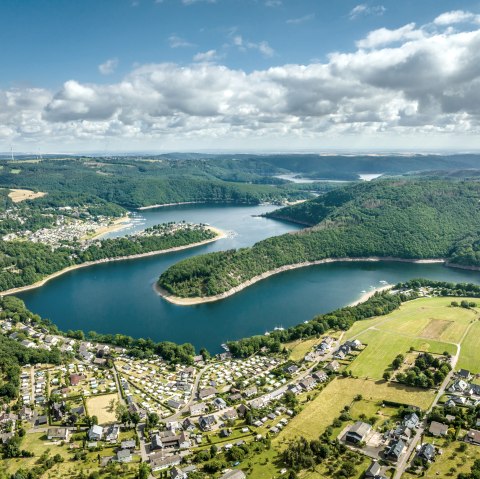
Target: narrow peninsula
414,220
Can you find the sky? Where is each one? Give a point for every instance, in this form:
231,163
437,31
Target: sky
239,75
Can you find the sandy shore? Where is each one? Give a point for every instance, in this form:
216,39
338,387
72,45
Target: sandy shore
117,225
220,234
169,204
369,294
208,299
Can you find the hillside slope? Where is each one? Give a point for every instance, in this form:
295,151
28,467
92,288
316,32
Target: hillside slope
411,219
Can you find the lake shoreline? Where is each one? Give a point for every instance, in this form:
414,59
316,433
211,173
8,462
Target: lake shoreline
209,299
219,235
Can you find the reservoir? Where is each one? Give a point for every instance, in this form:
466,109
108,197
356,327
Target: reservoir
118,297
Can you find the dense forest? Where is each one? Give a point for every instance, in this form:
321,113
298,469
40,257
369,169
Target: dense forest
134,183
24,262
403,218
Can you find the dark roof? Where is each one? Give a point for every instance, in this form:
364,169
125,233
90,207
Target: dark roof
395,449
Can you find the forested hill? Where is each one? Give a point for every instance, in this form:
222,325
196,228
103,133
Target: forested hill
407,218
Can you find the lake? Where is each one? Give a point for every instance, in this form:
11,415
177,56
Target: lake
118,297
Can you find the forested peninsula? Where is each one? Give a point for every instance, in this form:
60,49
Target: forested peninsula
409,219
24,263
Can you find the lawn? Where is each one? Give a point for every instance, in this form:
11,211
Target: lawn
298,349
383,346
100,406
430,318
469,356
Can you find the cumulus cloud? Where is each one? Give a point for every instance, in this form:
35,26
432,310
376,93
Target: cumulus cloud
384,36
207,56
108,67
456,16
364,10
412,81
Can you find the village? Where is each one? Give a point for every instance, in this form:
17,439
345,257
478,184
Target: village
104,403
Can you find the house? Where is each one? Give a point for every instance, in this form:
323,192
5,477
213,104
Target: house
124,455
234,474
333,366
373,470
411,420
402,432
112,432
25,413
174,404
158,462
95,433
177,473
207,393
219,403
308,383
438,429
41,420
58,411
242,410
236,397
206,422
198,409
230,415
58,434
464,374
292,369
251,391
225,432
320,376
358,432
459,386
128,444
178,441
395,450
188,424
473,437
426,452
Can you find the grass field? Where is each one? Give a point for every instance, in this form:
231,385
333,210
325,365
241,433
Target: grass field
99,406
298,349
320,413
383,346
427,324
430,318
469,354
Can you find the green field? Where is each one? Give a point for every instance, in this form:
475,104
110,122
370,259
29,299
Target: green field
469,354
427,324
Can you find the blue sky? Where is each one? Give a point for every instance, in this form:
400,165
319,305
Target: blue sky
79,74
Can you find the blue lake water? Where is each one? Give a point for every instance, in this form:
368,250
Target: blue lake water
118,297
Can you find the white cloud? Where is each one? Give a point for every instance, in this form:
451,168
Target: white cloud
300,20
364,10
207,56
408,84
178,42
384,36
273,3
456,16
108,67
263,47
